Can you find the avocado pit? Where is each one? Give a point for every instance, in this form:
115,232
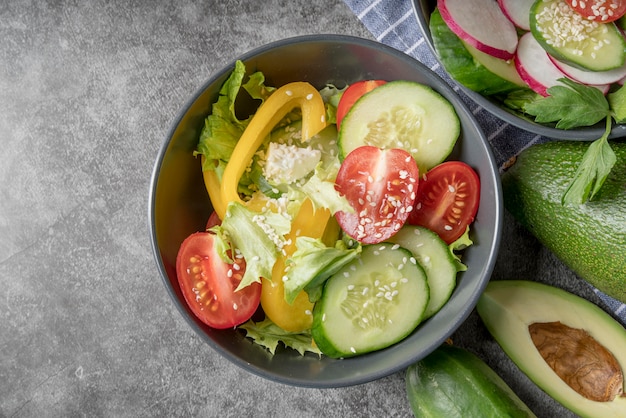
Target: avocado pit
579,360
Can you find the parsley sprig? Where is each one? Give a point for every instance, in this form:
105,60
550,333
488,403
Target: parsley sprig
572,105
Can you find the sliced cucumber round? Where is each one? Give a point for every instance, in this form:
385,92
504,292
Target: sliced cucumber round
371,303
579,42
433,254
402,114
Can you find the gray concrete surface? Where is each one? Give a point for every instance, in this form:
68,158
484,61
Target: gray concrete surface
87,93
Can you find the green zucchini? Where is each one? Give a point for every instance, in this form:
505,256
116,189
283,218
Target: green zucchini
452,382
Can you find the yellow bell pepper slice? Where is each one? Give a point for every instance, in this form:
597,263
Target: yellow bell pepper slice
213,186
275,108
308,222
297,316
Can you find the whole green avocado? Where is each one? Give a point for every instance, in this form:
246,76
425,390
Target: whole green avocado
589,238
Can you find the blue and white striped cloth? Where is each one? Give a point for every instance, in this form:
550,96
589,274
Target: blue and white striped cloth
393,23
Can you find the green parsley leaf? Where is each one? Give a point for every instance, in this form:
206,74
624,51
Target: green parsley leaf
594,168
617,100
570,106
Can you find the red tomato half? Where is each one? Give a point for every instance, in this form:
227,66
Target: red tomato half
208,283
447,200
380,185
214,220
601,11
352,94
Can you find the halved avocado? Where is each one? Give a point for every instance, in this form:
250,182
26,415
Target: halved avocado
509,307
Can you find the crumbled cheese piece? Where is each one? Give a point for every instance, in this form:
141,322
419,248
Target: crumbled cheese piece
286,164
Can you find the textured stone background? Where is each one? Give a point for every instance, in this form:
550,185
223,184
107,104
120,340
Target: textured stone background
87,93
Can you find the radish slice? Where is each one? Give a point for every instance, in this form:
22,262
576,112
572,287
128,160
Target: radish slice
537,69
591,77
534,65
482,24
518,12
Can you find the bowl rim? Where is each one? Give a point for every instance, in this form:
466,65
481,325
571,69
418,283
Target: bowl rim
485,270
579,134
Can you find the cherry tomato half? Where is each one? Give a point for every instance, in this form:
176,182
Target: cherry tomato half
380,185
447,200
208,283
352,94
602,11
214,220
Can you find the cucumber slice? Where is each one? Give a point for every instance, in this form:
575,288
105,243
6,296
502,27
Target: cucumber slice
402,114
371,303
433,254
579,42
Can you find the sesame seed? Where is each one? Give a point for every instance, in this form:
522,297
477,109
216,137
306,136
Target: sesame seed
308,312
235,307
289,93
309,96
352,349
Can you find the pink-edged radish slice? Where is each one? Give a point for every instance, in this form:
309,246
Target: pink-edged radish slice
481,24
518,12
591,77
534,66
537,69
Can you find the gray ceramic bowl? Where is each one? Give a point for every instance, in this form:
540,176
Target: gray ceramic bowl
179,206
423,10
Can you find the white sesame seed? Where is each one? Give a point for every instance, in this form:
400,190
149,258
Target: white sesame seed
352,349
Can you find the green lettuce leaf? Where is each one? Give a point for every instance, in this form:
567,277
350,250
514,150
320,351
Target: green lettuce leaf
268,335
258,237
312,263
460,244
222,128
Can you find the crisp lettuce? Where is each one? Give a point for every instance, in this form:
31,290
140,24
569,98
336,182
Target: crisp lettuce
222,128
258,238
460,244
268,335
312,263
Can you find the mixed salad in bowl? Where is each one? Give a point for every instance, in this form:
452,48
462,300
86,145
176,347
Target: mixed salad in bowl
339,222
